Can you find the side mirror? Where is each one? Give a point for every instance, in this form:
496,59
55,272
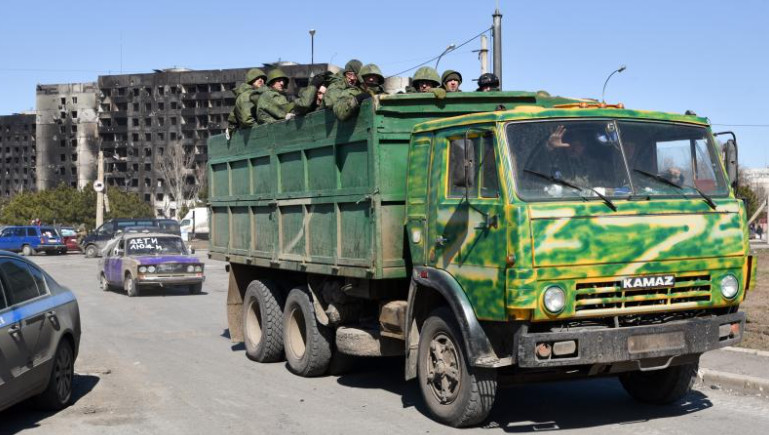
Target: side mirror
730,162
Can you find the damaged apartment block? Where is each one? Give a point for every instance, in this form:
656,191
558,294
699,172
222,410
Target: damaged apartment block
17,148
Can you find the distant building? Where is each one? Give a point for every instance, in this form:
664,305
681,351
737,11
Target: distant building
142,115
17,151
67,139
756,178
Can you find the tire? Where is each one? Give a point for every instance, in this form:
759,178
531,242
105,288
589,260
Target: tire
58,393
27,251
90,251
129,284
456,394
263,322
103,283
307,343
195,289
660,387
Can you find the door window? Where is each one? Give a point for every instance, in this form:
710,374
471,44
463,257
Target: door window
39,278
472,164
18,281
31,232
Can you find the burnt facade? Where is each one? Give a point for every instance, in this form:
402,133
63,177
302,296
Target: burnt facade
67,139
142,116
17,148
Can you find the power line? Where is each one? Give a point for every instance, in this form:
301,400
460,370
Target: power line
436,57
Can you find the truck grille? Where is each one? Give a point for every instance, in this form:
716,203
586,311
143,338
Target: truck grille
608,297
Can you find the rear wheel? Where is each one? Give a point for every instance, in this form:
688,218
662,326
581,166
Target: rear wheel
27,251
455,393
58,393
660,387
129,284
307,342
263,322
90,251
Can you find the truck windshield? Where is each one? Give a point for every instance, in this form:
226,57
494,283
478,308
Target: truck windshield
155,246
617,159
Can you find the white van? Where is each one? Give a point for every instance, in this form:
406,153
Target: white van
195,221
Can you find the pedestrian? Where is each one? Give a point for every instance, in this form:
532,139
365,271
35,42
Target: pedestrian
760,231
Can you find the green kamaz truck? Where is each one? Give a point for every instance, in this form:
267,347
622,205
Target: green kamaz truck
487,237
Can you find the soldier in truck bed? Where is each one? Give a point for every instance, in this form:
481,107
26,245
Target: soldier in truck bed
349,101
243,115
346,80
273,105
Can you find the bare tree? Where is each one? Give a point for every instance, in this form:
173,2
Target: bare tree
177,167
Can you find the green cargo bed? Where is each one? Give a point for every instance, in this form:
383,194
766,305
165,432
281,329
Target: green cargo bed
317,195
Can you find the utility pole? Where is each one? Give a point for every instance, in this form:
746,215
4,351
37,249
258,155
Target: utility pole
100,192
483,54
496,33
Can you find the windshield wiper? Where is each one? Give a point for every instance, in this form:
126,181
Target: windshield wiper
606,200
664,180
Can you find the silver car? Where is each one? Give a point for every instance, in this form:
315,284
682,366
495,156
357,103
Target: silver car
39,335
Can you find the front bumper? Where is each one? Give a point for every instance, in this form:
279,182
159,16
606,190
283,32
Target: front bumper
638,343
168,281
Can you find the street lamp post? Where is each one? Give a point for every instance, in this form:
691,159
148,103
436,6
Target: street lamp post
312,46
449,48
618,70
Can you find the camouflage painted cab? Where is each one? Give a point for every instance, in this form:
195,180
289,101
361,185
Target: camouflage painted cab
484,231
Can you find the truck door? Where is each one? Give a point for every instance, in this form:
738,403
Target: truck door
466,235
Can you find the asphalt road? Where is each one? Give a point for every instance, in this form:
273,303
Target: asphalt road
161,363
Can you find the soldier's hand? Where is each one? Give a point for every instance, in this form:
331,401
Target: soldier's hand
290,115
363,96
227,133
439,93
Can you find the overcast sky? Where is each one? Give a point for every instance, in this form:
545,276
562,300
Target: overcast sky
707,56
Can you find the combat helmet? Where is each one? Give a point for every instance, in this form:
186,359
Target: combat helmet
488,79
450,74
253,74
371,69
353,65
276,74
426,74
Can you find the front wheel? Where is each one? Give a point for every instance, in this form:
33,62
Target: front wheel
59,391
456,394
660,387
103,283
196,289
130,286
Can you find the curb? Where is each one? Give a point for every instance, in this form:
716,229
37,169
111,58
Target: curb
761,353
739,383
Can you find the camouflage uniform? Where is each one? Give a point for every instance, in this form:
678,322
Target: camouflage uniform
339,84
246,97
489,80
430,75
273,104
351,98
305,103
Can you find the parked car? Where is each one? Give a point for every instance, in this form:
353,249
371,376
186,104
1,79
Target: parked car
31,239
69,238
134,260
39,335
94,242
195,223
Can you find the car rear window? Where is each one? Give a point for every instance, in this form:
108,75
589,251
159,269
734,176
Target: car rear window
48,232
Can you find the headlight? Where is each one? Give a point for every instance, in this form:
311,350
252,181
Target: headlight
142,269
555,299
198,268
729,286
190,268
151,269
